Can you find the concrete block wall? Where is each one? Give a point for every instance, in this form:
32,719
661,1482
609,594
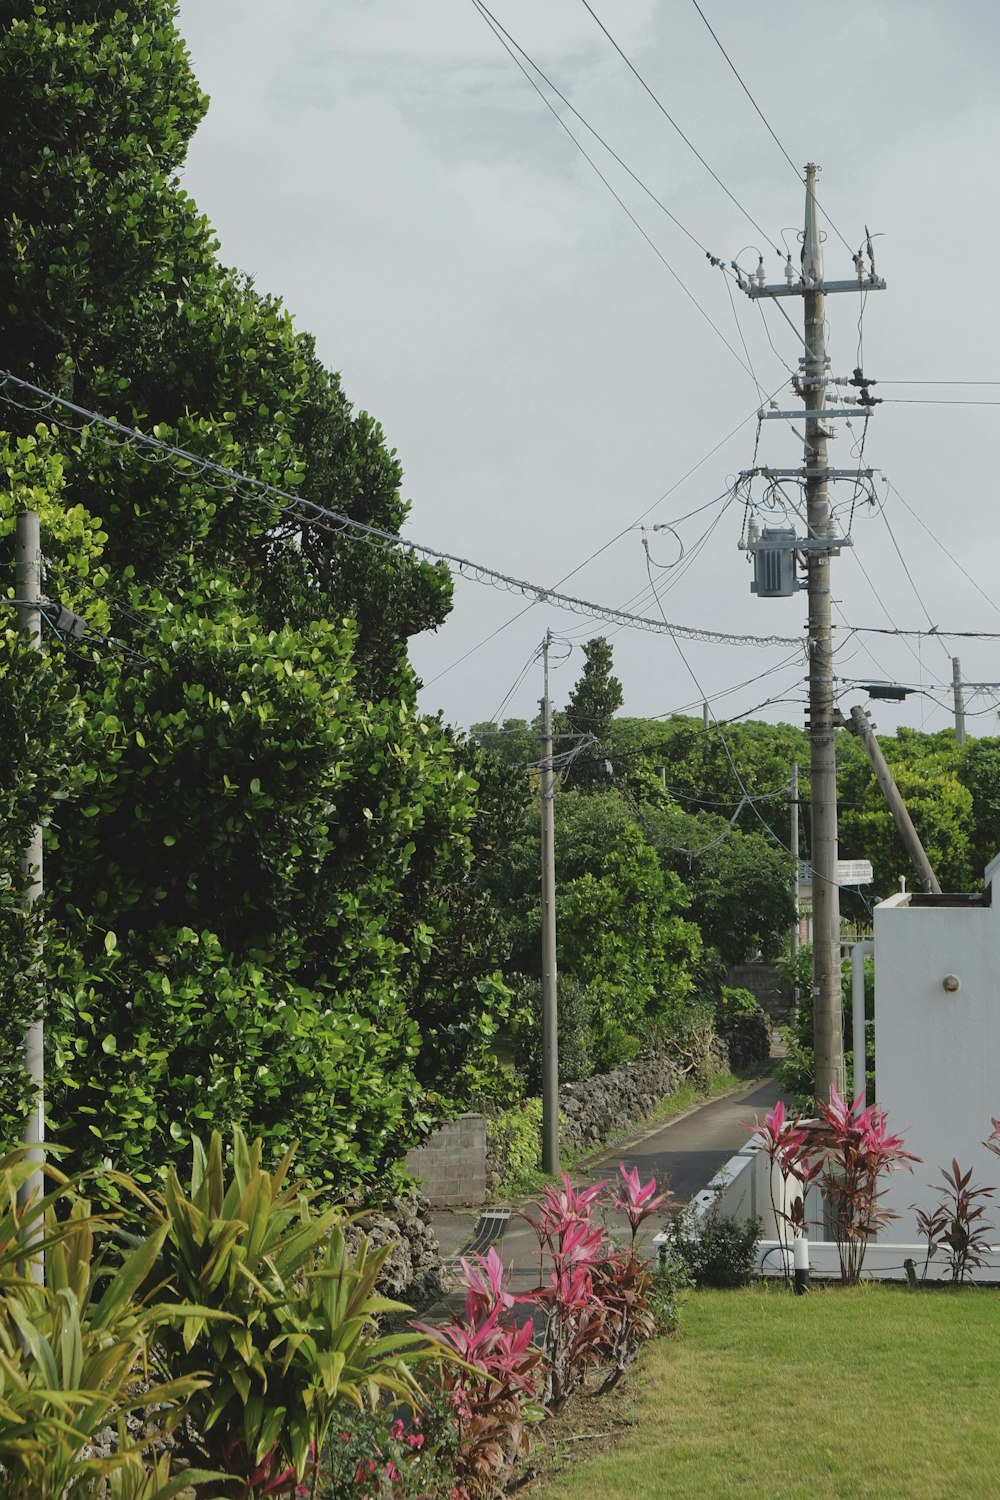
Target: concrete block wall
451,1164
762,982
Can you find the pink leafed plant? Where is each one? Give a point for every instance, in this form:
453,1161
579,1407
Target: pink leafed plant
637,1200
859,1152
789,1146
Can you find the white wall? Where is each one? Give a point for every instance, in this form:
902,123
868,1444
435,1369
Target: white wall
937,1054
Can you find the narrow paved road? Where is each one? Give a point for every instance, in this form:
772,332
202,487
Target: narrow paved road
683,1155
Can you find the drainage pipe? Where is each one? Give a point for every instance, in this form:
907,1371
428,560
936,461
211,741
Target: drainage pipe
859,952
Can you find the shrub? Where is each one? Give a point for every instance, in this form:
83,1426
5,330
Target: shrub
957,1223
858,1152
513,1149
718,1251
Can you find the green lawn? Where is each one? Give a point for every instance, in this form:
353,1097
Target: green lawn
878,1391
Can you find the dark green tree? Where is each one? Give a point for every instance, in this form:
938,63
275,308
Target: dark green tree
259,857
590,708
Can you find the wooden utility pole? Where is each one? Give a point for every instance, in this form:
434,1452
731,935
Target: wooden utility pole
859,724
28,592
550,1034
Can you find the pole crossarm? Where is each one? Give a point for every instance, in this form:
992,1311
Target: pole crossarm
800,289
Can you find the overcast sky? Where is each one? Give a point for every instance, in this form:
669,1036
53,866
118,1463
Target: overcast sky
385,168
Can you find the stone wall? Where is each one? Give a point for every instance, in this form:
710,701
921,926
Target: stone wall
412,1271
451,1164
598,1107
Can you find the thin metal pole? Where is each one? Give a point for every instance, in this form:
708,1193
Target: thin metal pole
828,1035
550,1036
28,588
794,840
956,687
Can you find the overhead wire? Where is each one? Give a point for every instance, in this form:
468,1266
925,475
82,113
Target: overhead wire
311,513
950,555
687,141
502,37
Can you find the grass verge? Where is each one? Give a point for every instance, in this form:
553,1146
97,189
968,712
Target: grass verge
876,1392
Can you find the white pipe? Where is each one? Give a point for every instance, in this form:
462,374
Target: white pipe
859,951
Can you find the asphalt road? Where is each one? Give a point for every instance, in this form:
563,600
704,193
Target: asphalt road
683,1155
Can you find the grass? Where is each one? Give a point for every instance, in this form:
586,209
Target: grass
879,1393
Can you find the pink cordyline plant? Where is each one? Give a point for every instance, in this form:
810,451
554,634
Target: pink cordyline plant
635,1199
860,1151
992,1142
493,1397
789,1146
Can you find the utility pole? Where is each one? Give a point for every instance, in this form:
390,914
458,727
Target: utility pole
828,1030
774,577
956,687
27,592
550,1035
859,724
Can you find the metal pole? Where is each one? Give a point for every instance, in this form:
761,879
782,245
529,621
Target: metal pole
859,1083
860,726
550,1038
795,850
828,1037
956,687
27,590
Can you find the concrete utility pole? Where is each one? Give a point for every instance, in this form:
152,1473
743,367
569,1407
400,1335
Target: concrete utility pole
859,724
28,592
550,1033
818,547
956,687
828,1033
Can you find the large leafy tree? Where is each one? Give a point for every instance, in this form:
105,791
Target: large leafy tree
258,853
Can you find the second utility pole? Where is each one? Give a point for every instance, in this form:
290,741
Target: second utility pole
550,1040
28,593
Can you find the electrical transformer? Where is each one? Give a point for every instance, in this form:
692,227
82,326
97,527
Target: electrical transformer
774,563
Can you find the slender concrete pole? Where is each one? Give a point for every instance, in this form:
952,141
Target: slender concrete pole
794,841
860,726
956,687
550,1037
828,1036
28,589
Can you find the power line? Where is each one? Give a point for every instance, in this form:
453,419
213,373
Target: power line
909,575
689,143
502,38
611,541
501,32
310,513
932,401
766,123
950,555
940,631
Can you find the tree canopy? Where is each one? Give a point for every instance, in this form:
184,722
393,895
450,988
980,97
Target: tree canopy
259,855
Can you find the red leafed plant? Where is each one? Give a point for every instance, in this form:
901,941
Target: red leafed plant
859,1152
493,1389
789,1146
575,1318
957,1222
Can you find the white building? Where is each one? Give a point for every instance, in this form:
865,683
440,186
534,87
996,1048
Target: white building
937,1038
